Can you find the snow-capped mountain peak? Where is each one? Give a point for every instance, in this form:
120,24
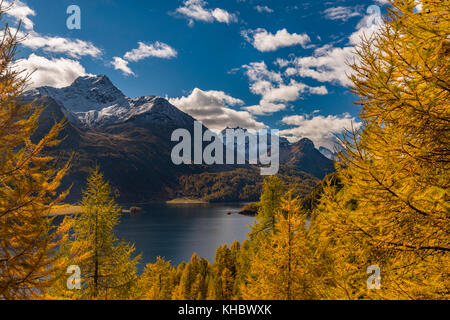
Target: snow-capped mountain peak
95,101
88,93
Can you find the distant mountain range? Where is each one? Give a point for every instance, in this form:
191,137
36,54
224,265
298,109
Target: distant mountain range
130,140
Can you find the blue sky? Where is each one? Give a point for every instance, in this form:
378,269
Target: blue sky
252,63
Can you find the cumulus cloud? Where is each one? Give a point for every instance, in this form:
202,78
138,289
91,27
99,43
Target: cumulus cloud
328,63
120,64
157,49
19,11
258,71
54,72
273,89
214,110
74,48
265,41
223,16
194,10
341,13
264,108
320,129
262,9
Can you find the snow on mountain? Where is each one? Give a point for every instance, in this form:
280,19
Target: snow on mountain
95,101
328,153
239,145
283,142
89,93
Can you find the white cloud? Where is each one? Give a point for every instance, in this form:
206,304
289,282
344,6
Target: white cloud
74,48
262,9
320,129
157,49
274,92
20,12
322,90
213,109
328,63
265,108
258,71
194,10
265,41
56,73
120,64
223,16
341,13
283,93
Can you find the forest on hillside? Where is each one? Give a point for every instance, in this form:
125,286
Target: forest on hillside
239,185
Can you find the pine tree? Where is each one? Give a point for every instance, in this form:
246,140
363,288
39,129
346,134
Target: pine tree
224,271
108,266
243,264
28,185
227,284
158,281
393,210
273,190
194,281
280,268
211,289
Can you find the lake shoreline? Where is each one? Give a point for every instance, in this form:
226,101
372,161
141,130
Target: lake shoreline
187,201
69,209
175,231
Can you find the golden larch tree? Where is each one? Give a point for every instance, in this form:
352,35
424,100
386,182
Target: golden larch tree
28,184
108,266
393,210
158,281
280,268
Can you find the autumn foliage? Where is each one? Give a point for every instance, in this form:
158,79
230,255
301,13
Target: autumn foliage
28,185
387,206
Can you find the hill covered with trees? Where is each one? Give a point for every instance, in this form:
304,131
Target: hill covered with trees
240,185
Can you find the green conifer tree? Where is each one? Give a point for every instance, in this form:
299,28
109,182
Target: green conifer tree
108,266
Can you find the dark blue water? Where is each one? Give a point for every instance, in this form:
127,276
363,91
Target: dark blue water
177,231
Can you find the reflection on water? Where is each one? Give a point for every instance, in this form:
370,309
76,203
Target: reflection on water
177,231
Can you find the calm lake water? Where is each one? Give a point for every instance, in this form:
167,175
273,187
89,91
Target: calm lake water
177,231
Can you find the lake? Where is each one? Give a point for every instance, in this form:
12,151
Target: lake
177,231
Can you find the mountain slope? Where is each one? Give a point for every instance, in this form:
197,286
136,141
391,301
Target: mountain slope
301,155
130,140
93,101
132,148
304,156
